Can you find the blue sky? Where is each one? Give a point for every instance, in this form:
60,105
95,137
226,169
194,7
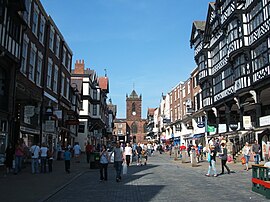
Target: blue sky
141,43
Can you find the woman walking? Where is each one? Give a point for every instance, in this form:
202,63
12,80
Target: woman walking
104,160
128,153
247,152
212,161
224,157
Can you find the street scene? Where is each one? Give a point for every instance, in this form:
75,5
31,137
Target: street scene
162,179
124,100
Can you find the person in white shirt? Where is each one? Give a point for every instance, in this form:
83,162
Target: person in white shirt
128,153
34,149
43,157
77,152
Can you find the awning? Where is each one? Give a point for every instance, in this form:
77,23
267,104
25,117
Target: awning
198,135
189,136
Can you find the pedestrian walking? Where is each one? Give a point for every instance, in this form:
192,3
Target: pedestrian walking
59,151
19,153
246,152
43,157
103,163
144,154
118,160
88,150
175,150
212,161
256,149
139,154
77,152
9,158
128,153
224,156
67,158
50,159
35,150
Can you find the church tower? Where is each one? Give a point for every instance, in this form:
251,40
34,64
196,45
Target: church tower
133,107
135,124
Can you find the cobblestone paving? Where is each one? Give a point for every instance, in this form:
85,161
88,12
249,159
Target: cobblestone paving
162,180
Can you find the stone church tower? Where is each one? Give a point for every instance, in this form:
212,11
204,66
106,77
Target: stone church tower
136,125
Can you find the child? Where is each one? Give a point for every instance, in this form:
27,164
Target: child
67,158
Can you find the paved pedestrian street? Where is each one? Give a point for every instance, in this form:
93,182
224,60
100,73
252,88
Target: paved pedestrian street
161,180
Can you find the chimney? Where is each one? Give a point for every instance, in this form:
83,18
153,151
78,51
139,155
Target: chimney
79,67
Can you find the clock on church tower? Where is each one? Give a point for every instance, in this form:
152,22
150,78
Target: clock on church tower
133,106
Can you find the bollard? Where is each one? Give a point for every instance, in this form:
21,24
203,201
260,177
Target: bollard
193,158
184,156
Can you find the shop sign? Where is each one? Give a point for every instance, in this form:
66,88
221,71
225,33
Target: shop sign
72,122
58,113
265,120
200,125
210,128
247,122
50,126
233,126
29,111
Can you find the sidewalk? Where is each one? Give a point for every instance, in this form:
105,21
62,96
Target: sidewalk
203,165
37,187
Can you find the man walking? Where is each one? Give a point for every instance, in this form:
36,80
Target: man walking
118,160
35,149
256,149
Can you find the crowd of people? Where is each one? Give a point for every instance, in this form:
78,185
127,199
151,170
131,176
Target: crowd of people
126,154
40,155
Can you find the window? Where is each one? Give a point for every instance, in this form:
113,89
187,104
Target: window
217,82
32,62
41,29
134,128
260,56
69,63
39,68
57,46
35,19
256,17
55,78
94,110
24,54
133,107
67,90
62,84
49,74
51,38
239,66
95,94
64,56
26,14
81,128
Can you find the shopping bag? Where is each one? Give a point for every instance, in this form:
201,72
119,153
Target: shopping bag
243,160
124,168
229,158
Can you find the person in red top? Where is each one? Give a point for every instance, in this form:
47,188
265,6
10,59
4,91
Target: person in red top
182,148
88,150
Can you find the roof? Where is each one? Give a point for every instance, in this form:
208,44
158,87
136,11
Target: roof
200,25
133,94
151,111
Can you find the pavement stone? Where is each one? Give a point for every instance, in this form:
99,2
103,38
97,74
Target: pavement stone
163,179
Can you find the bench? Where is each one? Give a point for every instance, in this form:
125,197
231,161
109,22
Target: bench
260,180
